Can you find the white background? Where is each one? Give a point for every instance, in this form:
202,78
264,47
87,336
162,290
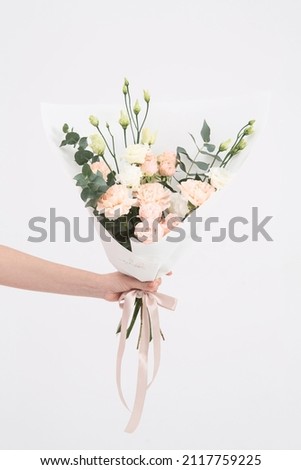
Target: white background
229,375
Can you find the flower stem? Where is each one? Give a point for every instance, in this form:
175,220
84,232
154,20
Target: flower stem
129,115
106,142
143,122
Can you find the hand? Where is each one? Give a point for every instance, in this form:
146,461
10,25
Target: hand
114,284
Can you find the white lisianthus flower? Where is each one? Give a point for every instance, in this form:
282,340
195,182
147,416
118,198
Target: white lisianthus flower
130,176
97,144
219,177
136,153
178,205
148,137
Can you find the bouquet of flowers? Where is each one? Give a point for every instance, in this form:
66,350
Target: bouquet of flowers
140,198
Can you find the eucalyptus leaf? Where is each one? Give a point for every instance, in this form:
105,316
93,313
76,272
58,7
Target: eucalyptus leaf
82,156
72,138
211,155
202,165
209,147
205,132
83,143
181,150
85,194
182,166
86,170
111,179
65,128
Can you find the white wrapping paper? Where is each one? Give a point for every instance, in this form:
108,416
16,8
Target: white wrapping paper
173,121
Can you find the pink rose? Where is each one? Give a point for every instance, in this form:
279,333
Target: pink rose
167,163
154,193
102,167
150,165
149,232
150,211
196,192
115,202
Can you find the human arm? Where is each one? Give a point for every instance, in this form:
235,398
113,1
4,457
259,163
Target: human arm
23,271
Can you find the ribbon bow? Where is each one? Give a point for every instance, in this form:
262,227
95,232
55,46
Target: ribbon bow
149,324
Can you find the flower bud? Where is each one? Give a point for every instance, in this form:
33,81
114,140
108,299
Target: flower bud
241,145
251,122
126,82
224,145
124,89
124,120
97,144
137,108
94,120
148,137
146,96
249,130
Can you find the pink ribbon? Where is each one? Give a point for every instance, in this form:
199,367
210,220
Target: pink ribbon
150,324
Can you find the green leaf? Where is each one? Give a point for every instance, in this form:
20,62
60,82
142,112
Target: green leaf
65,128
181,150
111,179
85,194
82,156
83,143
86,170
202,165
63,143
72,138
210,147
182,166
195,143
91,203
80,180
211,155
205,132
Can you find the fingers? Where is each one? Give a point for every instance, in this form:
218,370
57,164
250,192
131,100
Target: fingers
151,286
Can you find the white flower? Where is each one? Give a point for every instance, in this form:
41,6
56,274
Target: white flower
136,153
219,177
178,205
148,137
130,176
97,144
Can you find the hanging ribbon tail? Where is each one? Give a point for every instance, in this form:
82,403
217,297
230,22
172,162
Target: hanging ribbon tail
149,326
127,303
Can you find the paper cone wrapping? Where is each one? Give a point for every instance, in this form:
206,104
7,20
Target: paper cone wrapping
174,122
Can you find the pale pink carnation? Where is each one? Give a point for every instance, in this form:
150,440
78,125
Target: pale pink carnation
150,211
149,232
115,202
102,167
150,165
196,192
167,163
154,193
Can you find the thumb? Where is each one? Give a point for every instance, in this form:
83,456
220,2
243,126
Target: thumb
151,286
